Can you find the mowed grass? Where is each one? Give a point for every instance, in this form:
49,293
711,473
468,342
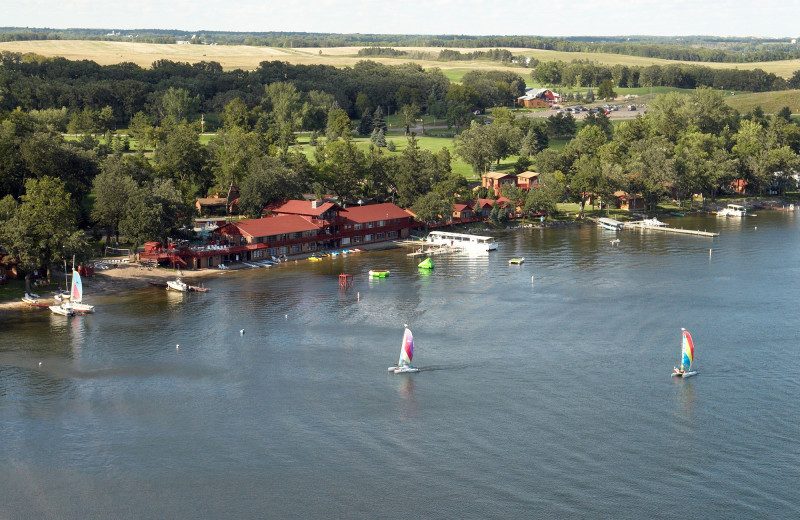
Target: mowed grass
247,57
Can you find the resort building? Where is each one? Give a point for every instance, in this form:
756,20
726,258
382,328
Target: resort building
296,227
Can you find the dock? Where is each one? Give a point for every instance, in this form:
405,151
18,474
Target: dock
657,225
422,248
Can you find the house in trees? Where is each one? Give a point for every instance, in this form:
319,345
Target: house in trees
527,180
218,204
538,98
629,202
462,213
496,180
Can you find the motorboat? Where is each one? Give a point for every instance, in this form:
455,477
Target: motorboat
733,210
462,241
177,285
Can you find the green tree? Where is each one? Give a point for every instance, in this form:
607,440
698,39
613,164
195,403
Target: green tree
606,90
111,191
474,147
182,158
37,231
233,150
178,105
339,125
408,113
342,168
547,196
269,180
431,208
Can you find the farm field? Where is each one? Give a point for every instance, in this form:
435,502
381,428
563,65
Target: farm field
248,57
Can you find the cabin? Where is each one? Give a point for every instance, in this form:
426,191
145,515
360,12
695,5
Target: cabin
527,180
496,180
218,204
739,186
626,201
462,213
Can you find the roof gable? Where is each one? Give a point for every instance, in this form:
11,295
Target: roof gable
261,227
304,207
374,212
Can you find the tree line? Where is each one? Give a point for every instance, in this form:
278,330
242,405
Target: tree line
589,73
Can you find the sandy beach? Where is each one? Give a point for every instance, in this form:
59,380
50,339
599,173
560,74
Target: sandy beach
121,277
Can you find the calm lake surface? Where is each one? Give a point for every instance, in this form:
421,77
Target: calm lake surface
545,389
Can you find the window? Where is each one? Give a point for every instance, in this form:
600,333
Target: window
358,239
345,241
284,250
298,234
368,238
357,227
381,223
258,253
312,246
392,234
380,236
296,248
370,224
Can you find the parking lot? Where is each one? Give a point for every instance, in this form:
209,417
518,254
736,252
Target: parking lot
622,111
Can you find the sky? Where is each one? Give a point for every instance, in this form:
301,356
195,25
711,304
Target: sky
765,18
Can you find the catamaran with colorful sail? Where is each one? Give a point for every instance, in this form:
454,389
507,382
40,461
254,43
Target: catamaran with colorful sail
75,301
406,354
687,356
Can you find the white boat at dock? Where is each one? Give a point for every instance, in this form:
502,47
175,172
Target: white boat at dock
734,210
60,309
462,241
610,223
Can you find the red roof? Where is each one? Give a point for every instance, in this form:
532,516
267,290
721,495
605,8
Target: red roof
461,207
374,212
263,227
303,207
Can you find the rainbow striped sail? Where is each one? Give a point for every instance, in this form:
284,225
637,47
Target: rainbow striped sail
407,349
688,351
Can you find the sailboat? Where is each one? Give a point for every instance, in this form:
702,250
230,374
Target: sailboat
76,295
687,356
406,353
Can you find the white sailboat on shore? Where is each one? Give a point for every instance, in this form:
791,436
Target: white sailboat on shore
406,354
75,301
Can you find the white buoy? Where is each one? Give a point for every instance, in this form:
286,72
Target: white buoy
241,332
709,254
756,227
358,296
40,363
176,346
286,316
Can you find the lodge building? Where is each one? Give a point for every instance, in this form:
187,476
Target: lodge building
294,227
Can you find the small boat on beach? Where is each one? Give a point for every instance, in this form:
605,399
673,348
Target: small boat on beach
31,299
177,285
687,356
75,301
406,354
379,273
60,309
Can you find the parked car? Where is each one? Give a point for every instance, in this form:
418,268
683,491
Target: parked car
632,108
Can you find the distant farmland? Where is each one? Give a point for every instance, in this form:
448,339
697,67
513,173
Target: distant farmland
248,57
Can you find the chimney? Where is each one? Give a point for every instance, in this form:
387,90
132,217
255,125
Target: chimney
314,204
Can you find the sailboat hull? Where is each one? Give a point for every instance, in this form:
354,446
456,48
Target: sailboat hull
403,370
685,374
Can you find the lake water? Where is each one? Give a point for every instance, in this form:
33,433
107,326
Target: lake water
545,389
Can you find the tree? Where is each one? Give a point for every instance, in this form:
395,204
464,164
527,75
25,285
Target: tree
236,114
178,105
284,101
547,196
473,146
339,125
431,208
651,168
153,212
269,180
377,138
112,191
342,168
233,150
182,158
37,231
606,90
365,125
408,113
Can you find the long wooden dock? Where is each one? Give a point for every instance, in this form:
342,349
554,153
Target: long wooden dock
655,225
422,248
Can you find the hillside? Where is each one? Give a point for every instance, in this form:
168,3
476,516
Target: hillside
248,57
